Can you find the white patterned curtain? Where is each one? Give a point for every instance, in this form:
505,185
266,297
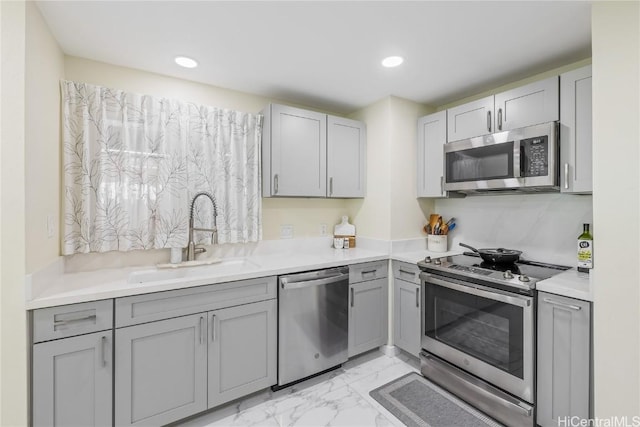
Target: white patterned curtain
132,163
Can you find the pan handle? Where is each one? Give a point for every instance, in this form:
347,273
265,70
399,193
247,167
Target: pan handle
469,247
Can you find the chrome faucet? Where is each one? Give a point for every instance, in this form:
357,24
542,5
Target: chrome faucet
191,246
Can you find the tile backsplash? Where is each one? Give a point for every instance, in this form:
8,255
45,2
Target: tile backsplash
544,226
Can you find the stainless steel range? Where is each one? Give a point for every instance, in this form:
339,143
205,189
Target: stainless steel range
478,332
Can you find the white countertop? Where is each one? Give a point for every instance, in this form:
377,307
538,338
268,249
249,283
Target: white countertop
414,256
67,288
570,283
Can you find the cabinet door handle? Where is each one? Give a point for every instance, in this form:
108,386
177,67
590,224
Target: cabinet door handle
70,321
353,298
561,304
566,176
201,328
368,272
499,118
489,121
417,297
213,327
407,272
275,184
103,341
330,186
441,184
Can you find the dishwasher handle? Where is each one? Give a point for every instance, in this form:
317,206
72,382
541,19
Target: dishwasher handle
287,284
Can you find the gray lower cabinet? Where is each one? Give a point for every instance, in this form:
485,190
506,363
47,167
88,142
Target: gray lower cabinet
406,316
72,381
161,371
242,350
367,315
407,303
564,348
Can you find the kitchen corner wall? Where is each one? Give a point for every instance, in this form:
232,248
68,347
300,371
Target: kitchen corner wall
391,210
13,320
616,209
43,71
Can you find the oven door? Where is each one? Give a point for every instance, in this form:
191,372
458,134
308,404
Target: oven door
484,331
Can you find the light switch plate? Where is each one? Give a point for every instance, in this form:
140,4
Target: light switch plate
323,230
286,231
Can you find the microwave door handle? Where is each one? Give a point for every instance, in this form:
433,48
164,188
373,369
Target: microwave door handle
521,163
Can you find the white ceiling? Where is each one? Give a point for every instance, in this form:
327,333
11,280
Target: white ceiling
327,53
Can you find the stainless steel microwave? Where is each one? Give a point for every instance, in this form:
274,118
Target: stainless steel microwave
524,159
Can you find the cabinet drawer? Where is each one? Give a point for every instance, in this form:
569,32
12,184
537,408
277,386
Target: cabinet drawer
70,320
367,271
164,305
407,272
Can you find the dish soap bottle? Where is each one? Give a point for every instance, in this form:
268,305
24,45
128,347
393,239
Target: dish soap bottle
585,250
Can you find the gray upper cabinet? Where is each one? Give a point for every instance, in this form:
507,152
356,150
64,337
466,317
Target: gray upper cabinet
576,131
72,381
564,346
310,154
294,152
161,371
471,119
367,314
242,350
527,105
406,307
432,136
346,153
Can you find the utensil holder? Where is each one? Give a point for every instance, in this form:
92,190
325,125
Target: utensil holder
437,243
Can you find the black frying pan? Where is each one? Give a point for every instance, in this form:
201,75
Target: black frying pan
497,255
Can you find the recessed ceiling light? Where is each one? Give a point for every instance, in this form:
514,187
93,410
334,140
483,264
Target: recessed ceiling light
392,61
185,62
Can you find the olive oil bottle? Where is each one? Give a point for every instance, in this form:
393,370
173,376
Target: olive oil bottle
585,250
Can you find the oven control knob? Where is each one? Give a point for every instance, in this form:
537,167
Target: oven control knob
427,260
523,278
507,274
437,261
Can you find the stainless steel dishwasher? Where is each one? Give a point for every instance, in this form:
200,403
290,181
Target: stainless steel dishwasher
313,323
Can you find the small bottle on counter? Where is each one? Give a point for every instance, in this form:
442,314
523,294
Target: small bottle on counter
585,250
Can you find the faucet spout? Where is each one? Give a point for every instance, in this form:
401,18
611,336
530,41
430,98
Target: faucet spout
191,247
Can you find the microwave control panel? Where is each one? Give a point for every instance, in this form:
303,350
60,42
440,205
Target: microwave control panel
534,156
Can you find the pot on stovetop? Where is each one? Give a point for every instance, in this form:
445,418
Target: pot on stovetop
496,255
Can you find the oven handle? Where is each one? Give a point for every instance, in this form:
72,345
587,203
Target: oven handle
520,301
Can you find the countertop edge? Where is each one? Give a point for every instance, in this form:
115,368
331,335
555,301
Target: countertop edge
120,288
570,283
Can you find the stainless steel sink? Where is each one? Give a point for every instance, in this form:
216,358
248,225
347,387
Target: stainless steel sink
224,267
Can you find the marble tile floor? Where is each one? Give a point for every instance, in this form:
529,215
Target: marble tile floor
337,398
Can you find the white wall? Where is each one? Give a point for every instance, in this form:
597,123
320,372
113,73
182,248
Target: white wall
372,215
616,211
13,331
407,212
44,69
391,210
